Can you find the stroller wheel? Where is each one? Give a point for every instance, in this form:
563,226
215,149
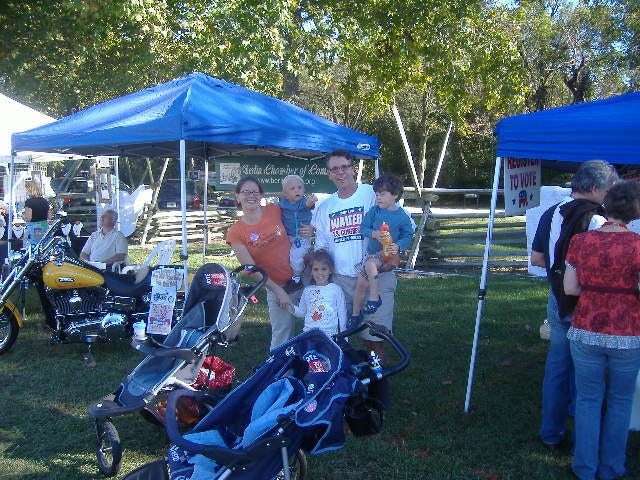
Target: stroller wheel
297,467
108,448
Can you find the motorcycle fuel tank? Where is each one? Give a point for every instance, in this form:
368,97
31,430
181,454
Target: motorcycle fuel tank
67,276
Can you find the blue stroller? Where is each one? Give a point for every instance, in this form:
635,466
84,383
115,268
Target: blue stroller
296,401
211,316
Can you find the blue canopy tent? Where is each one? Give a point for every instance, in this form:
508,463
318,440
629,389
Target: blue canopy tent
562,137
194,116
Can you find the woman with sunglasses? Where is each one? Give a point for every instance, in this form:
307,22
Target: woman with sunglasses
259,238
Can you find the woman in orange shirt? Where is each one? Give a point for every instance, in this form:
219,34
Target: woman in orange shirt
259,238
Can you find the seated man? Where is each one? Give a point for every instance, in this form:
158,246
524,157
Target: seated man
107,245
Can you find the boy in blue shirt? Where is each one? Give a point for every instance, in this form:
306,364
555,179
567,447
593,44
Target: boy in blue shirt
388,189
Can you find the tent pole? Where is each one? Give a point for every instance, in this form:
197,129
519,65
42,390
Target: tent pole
117,191
183,202
482,292
205,198
11,204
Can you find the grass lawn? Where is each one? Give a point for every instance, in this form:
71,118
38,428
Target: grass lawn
45,432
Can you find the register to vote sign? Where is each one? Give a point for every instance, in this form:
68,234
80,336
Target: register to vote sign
522,179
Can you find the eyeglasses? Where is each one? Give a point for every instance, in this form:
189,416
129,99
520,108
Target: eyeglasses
341,168
250,193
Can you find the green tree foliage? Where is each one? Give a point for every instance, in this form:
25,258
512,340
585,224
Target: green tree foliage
466,61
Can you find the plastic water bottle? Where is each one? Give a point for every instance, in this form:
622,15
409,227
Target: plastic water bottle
376,366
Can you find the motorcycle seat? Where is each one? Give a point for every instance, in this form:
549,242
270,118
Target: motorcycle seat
126,285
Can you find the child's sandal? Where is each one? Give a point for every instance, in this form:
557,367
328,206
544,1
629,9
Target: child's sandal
371,306
354,321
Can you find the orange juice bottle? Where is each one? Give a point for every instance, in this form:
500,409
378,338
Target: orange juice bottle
386,240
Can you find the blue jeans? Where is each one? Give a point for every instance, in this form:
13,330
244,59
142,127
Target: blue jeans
601,444
558,385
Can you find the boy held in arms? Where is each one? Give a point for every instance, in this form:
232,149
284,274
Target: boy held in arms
296,211
388,189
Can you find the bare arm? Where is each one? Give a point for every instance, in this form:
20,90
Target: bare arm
537,259
311,201
245,258
570,282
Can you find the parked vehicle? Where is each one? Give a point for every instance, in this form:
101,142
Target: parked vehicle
169,196
78,191
80,303
77,197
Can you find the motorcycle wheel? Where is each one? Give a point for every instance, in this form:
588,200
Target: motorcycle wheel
298,467
108,449
8,330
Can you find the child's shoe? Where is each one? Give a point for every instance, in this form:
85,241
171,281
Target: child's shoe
371,306
354,321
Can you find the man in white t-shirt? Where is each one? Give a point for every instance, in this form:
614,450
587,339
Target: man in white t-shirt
337,222
107,245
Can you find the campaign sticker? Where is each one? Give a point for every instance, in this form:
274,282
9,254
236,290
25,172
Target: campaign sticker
215,279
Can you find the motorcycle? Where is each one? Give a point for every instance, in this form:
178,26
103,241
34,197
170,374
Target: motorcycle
80,302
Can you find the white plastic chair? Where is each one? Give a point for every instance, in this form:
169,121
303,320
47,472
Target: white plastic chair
162,251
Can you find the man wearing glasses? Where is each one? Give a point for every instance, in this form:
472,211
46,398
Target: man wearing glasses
337,222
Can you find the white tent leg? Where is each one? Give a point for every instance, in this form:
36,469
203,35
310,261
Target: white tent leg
183,203
11,205
117,190
483,281
205,201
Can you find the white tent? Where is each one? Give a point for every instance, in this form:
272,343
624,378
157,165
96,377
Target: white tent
17,117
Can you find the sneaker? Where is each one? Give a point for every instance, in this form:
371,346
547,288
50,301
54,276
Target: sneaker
292,286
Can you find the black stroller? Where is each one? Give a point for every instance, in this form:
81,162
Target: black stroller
211,316
296,401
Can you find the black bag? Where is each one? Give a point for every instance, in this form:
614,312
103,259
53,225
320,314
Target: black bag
576,216
364,414
566,303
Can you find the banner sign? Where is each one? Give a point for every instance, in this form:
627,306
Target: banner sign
522,181
271,170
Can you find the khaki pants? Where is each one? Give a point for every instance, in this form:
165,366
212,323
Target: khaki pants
283,323
387,283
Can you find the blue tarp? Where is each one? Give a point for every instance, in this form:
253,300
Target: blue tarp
213,116
606,129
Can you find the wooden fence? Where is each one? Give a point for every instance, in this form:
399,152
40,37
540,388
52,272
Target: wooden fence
452,238
456,239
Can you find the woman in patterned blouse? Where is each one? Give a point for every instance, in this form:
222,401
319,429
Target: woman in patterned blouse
602,268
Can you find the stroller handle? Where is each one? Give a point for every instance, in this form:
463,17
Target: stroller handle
382,332
252,269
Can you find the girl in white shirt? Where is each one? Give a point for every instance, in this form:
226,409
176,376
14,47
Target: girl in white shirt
322,304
